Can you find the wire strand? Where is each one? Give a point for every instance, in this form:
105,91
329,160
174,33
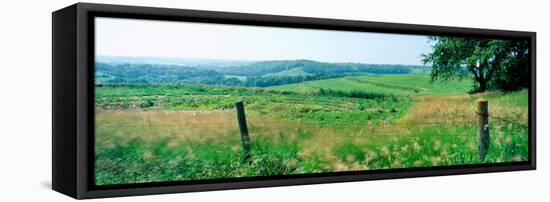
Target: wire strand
515,122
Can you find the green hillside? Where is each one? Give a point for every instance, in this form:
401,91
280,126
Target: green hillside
290,72
396,84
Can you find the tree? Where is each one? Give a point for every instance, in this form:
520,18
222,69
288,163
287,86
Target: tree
490,62
515,70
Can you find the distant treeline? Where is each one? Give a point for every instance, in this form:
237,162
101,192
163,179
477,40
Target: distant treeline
314,67
258,74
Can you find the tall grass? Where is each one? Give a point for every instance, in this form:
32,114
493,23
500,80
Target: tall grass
178,133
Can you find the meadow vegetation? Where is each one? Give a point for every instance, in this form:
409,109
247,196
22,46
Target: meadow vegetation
169,132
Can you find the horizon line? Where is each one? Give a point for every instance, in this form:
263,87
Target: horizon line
252,61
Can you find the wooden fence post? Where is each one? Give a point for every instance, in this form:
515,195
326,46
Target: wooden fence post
483,129
244,129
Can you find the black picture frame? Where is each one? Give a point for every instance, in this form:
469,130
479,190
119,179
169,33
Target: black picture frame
73,98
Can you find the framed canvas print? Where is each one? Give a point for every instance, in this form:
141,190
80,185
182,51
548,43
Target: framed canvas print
156,100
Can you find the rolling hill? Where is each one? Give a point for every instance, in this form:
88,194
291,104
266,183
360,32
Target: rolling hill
396,84
128,70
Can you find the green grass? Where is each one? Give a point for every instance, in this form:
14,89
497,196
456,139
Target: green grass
290,72
241,78
155,133
396,84
273,103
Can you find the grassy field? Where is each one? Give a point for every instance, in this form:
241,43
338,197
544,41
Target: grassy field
153,133
394,84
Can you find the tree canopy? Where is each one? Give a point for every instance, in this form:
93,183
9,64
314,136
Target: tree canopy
492,63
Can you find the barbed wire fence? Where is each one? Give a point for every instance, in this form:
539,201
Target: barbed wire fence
149,123
481,114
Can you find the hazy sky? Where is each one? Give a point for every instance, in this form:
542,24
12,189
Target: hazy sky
129,37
